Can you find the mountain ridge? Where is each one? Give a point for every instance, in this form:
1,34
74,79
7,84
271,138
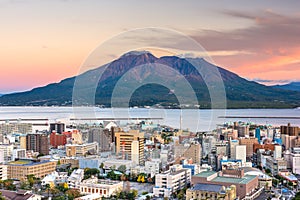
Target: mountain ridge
240,93
293,86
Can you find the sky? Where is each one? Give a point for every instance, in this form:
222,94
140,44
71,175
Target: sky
46,41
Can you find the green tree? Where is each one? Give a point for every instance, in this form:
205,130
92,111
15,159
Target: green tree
101,166
31,179
268,171
72,193
122,168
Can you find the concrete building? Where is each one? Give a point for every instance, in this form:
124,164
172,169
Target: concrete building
117,163
222,148
74,162
171,181
293,160
189,151
211,191
75,178
37,143
276,165
78,150
90,162
245,184
6,151
105,188
57,127
153,167
131,145
18,153
104,137
232,145
241,153
289,130
9,128
249,142
277,153
243,130
21,168
22,139
3,172
57,139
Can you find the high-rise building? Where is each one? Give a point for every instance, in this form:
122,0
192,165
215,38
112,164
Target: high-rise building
249,145
6,152
37,143
18,153
57,127
232,145
57,139
240,153
289,130
102,136
130,144
277,153
189,151
243,130
22,139
257,134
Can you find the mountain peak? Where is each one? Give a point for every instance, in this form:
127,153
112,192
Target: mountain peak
135,53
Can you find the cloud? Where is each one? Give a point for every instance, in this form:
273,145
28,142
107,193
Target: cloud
269,31
271,42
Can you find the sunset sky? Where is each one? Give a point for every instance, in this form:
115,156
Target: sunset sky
46,41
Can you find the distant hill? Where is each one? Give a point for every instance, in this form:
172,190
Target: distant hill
293,86
240,92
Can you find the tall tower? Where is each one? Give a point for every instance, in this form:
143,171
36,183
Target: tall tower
133,147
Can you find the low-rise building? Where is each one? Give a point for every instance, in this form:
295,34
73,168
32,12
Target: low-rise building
3,172
75,178
74,162
246,185
78,150
20,169
20,195
105,188
276,165
171,181
211,191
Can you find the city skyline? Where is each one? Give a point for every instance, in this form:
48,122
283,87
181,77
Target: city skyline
45,42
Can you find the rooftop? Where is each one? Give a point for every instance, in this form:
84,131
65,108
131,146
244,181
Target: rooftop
246,179
205,174
207,187
27,162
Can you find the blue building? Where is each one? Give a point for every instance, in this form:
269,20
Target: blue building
257,134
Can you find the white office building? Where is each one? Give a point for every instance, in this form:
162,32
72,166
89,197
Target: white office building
171,181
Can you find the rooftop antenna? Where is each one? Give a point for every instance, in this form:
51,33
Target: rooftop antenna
180,119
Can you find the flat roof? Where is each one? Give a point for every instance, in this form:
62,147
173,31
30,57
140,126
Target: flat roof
205,174
27,162
244,180
207,187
